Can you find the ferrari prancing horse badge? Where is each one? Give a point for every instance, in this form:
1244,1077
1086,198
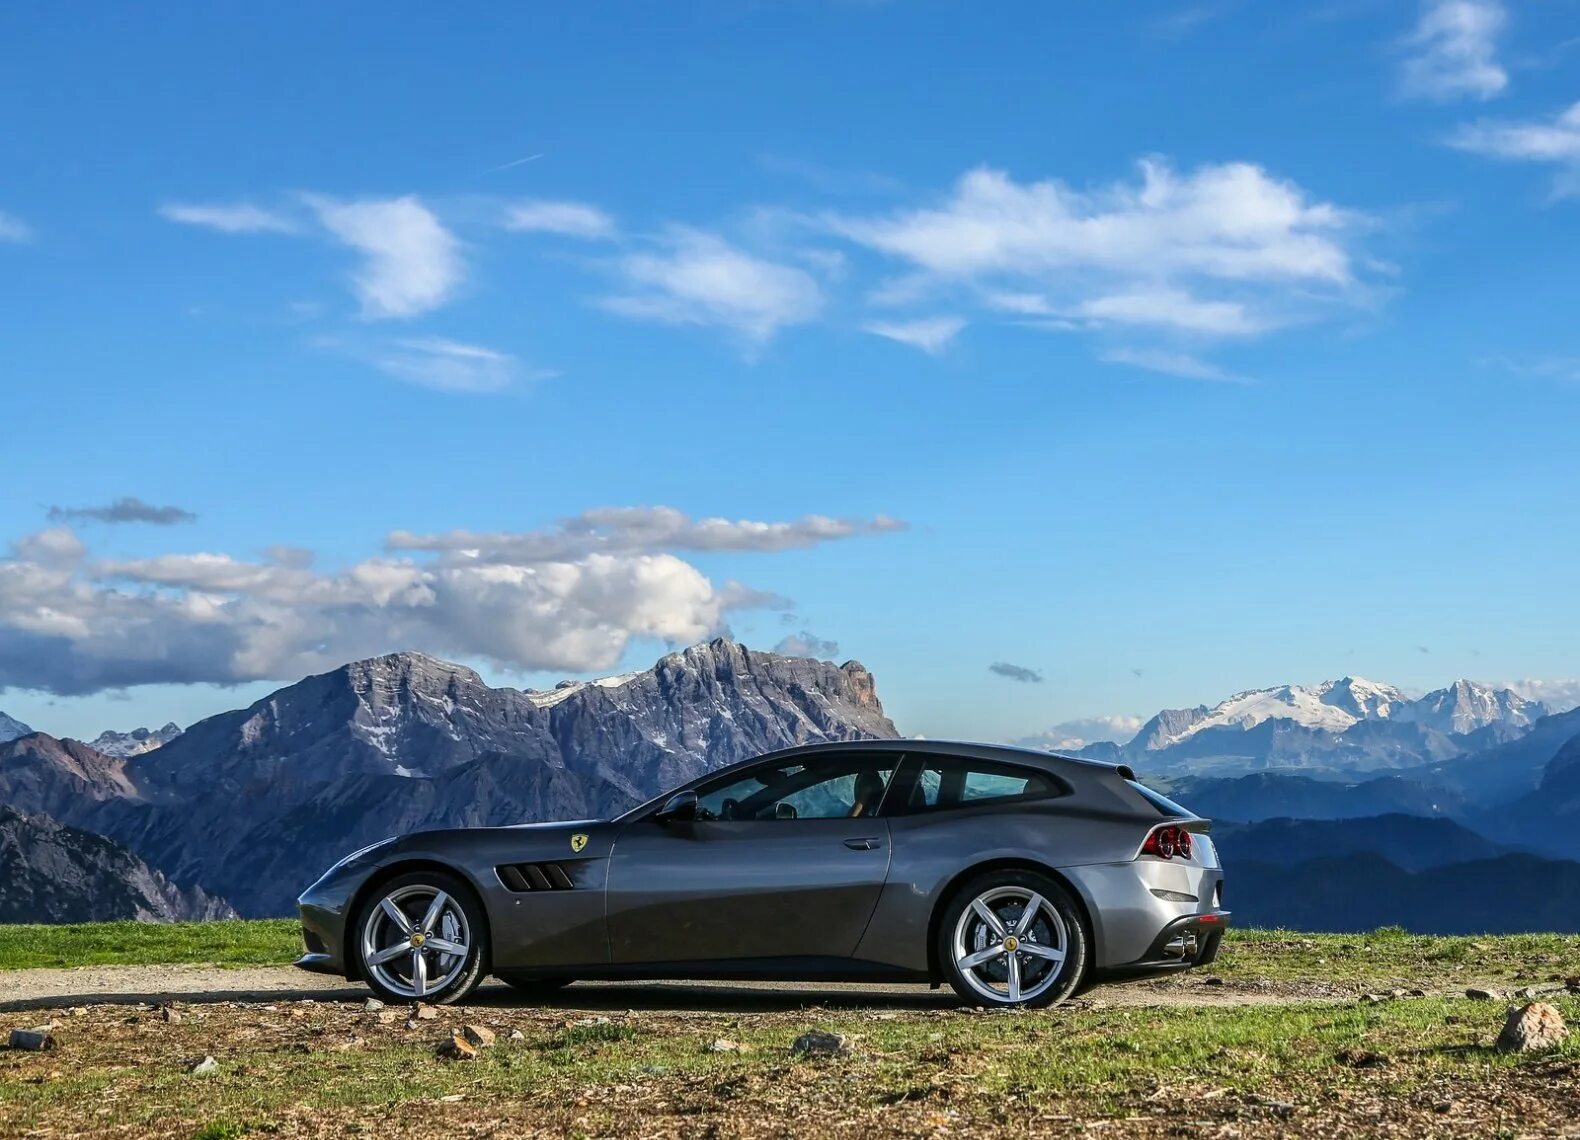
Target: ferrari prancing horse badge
578,841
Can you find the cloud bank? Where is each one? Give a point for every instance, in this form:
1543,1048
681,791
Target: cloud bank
568,599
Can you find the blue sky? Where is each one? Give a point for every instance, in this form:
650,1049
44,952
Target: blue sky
1156,350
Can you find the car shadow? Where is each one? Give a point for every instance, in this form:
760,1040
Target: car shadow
723,997
652,997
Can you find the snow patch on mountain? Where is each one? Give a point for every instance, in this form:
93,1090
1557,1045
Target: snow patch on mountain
135,742
11,728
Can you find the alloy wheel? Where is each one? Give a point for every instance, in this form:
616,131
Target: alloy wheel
416,941
1010,944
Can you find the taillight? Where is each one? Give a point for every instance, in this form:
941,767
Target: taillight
1169,841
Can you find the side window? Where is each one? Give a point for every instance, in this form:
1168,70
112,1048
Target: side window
846,786
953,782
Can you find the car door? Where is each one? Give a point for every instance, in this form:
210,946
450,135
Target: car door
786,859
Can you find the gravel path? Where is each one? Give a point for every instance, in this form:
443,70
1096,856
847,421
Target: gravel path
90,985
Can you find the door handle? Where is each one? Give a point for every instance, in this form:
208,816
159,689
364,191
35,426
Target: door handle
870,843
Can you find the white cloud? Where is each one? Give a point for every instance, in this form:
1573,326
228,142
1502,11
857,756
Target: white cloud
413,263
234,218
14,229
699,278
610,530
570,219
1171,309
1453,51
448,365
1022,304
1181,364
1224,250
930,334
1074,734
70,624
1555,141
1230,222
1558,695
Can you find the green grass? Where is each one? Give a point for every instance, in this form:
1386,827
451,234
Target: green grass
1391,954
255,943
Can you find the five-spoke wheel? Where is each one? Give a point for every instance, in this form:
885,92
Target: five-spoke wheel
1012,938
421,938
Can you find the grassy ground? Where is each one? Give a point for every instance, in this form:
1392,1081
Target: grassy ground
259,943
1412,1067
1277,955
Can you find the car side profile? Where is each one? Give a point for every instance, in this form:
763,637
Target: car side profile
1015,876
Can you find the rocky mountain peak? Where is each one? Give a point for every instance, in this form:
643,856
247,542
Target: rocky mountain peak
1362,699
53,873
11,728
1466,705
135,742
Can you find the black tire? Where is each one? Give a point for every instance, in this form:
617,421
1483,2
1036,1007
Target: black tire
1063,977
534,988
475,966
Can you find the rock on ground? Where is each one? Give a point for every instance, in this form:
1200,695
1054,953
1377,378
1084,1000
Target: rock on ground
816,1043
1532,1028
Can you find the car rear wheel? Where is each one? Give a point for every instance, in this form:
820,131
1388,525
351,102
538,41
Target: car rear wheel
423,937
1012,938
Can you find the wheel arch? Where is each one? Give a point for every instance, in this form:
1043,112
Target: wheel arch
952,887
389,872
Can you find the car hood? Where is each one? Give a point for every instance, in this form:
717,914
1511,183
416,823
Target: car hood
515,843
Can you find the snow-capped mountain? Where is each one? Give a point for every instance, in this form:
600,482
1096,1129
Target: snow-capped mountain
135,742
11,728
1466,706
1335,729
1332,706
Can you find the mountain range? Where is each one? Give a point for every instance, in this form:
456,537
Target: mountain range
54,873
1329,789
1338,730
251,805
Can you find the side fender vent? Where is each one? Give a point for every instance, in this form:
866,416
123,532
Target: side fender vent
522,877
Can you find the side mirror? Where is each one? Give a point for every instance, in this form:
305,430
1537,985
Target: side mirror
680,806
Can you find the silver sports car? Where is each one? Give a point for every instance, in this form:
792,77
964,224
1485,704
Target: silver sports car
1012,875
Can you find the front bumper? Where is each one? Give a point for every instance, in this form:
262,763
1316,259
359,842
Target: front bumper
323,912
318,964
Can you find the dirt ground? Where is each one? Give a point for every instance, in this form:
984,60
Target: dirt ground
89,985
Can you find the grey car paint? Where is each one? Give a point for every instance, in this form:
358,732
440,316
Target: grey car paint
802,897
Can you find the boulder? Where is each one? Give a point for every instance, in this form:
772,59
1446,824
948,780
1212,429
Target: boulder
1532,1028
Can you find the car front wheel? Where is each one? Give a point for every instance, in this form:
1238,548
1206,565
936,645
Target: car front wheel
422,937
1012,938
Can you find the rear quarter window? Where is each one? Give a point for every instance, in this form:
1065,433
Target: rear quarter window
1158,800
